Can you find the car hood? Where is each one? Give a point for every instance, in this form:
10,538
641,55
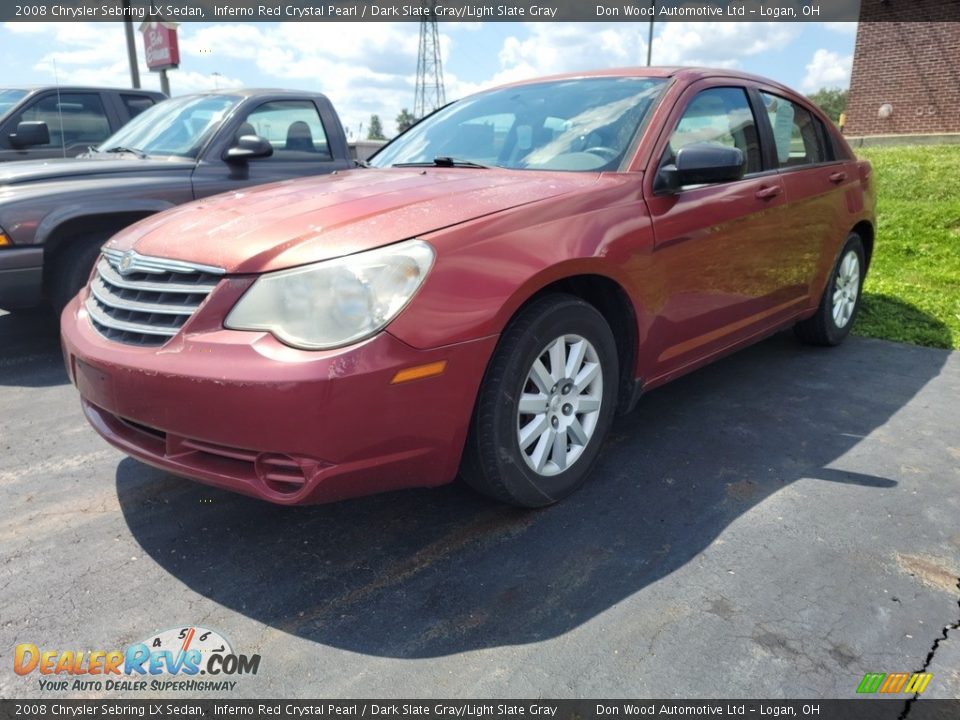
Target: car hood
30,171
301,221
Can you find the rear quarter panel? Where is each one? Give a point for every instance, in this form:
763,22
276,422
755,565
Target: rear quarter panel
857,207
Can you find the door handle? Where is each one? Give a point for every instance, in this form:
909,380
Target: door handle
838,177
768,192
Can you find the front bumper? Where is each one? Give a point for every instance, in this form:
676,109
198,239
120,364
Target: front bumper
21,277
242,411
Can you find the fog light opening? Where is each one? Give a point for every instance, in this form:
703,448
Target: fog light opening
280,473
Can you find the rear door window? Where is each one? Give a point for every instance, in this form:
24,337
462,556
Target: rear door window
74,119
136,104
797,135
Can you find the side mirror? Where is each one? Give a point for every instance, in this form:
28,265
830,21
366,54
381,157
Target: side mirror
249,147
701,164
33,132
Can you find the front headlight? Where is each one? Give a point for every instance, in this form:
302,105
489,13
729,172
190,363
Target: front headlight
335,302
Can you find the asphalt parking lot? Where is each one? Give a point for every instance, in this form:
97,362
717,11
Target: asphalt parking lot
775,525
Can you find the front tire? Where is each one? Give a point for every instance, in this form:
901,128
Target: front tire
546,404
71,269
841,299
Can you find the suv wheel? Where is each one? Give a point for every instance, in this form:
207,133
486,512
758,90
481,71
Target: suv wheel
71,269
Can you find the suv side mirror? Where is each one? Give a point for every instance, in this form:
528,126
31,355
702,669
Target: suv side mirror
32,132
248,147
701,164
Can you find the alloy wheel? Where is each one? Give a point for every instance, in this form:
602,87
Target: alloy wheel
846,288
559,405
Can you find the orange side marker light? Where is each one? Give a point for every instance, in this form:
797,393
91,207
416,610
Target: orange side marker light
418,372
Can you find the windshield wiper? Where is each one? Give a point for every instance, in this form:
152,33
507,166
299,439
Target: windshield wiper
133,151
444,161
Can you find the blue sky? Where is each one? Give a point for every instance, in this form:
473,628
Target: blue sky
370,67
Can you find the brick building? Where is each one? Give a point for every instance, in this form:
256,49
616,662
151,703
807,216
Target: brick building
907,61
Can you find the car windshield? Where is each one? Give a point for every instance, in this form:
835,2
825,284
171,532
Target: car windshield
9,98
582,124
178,127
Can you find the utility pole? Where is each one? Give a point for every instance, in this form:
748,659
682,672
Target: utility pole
430,92
131,45
653,11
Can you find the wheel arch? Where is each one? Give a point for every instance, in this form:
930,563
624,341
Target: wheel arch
865,230
611,300
99,224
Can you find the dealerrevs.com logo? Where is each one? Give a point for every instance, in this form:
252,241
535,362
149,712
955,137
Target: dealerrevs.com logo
189,658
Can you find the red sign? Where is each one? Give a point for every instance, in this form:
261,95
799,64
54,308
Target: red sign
160,43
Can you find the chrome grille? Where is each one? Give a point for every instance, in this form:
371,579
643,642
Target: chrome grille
140,300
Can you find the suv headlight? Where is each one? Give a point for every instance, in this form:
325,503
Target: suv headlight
336,302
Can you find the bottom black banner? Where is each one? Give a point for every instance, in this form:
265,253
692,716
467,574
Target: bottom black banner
479,709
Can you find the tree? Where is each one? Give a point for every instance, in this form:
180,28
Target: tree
832,101
376,129
404,120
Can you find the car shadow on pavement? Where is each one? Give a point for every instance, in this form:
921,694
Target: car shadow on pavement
30,353
427,573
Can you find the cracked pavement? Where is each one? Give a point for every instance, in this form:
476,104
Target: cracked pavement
774,525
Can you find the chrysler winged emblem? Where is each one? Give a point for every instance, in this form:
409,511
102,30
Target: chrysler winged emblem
126,262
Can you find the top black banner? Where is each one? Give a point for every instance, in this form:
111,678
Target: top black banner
480,11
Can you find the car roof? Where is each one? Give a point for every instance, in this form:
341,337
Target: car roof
686,73
80,88
249,92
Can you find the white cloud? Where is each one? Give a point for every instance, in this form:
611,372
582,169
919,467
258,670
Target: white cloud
87,54
844,28
371,68
827,69
551,48
235,41
722,44
375,75
559,47
362,77
461,25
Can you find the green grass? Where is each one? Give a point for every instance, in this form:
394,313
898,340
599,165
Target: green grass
912,292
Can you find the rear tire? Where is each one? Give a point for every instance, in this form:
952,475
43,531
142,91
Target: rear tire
71,269
546,404
841,298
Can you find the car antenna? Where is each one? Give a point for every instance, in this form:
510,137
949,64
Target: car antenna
56,78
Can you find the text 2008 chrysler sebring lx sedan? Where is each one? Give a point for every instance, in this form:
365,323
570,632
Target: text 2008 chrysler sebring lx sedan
514,270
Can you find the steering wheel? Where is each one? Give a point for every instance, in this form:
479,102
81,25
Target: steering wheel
604,152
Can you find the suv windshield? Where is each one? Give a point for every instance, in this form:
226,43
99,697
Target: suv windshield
582,124
178,127
9,98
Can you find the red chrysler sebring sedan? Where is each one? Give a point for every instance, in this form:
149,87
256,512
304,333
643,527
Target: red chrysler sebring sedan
505,277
